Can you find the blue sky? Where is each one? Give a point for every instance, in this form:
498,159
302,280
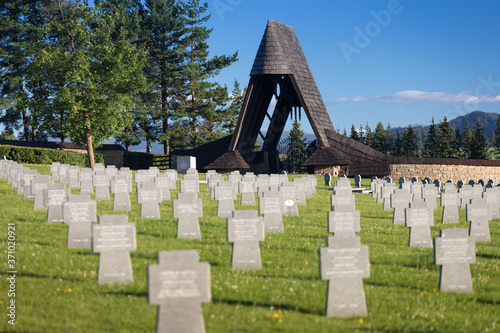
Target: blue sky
398,62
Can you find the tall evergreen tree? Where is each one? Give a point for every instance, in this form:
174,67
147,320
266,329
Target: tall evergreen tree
362,138
398,145
354,133
389,140
368,136
297,153
445,139
467,140
479,143
163,27
410,142
431,142
497,137
379,141
457,145
202,104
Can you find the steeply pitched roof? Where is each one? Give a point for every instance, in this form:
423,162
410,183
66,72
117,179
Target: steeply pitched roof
231,160
207,153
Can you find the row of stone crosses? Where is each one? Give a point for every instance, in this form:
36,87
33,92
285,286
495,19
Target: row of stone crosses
178,278
413,205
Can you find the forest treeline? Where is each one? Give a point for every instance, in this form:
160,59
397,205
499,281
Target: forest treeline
136,70
440,141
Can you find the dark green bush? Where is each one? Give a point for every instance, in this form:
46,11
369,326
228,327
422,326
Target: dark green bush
46,156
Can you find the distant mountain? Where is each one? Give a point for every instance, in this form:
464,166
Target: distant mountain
488,119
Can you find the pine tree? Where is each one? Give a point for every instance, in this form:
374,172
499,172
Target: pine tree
398,145
479,143
345,132
162,28
431,141
410,142
368,136
467,141
354,133
457,145
202,105
497,137
362,138
297,153
445,139
379,142
389,139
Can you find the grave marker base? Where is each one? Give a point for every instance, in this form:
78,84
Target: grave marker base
346,298
114,267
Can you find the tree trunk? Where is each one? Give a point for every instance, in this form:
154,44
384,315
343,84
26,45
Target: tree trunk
148,146
164,112
35,121
88,133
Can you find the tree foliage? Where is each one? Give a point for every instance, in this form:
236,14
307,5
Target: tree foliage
297,153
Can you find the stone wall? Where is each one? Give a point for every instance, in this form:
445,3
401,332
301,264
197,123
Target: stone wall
334,170
445,172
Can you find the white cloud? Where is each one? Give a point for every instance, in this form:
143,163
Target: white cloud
422,96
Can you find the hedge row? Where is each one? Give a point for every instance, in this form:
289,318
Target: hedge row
46,156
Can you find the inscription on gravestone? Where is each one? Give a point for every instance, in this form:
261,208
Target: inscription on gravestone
455,251
270,205
449,201
113,238
79,213
179,283
419,219
344,263
188,208
479,214
245,230
344,223
149,196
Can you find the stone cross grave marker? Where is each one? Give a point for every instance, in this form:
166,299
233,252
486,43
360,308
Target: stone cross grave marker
54,170
63,173
460,183
328,180
113,238
289,193
79,213
179,283
344,223
190,186
188,208
225,196
85,177
449,201
149,196
247,188
343,202
492,197
73,177
245,229
163,181
99,167
301,192
416,191
385,195
141,176
400,201
357,181
454,250
212,183
40,183
26,180
101,184
465,194
270,205
344,262
121,186
429,193
419,218
55,195
479,214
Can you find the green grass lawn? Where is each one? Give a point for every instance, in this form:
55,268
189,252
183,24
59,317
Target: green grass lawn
57,291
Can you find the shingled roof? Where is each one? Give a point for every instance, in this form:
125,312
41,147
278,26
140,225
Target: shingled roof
231,160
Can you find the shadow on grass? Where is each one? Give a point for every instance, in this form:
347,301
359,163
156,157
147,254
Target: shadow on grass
488,256
265,305
54,277
488,301
127,293
395,285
